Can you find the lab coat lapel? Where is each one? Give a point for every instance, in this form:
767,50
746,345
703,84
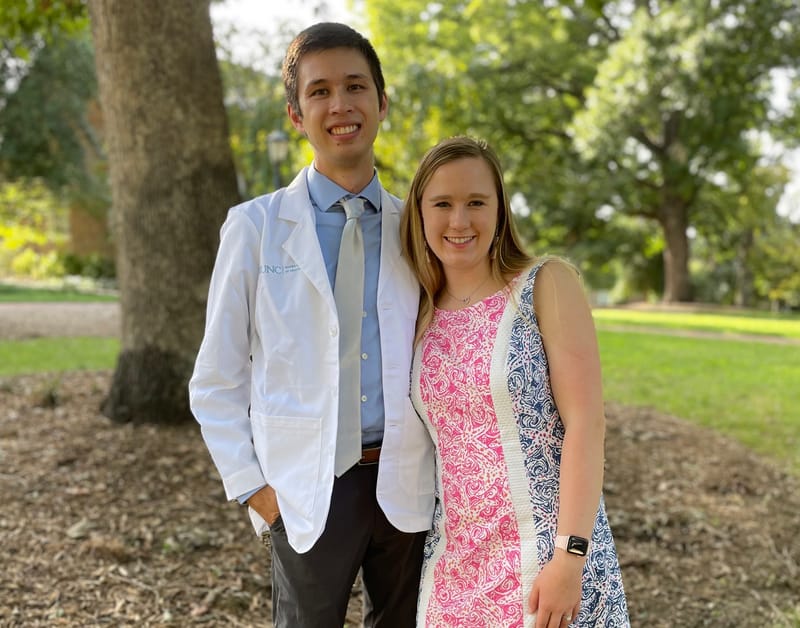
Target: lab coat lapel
302,243
390,226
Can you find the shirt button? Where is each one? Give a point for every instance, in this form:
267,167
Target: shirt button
333,331
363,398
364,356
363,315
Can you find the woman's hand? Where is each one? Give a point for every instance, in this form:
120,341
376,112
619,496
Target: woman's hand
556,594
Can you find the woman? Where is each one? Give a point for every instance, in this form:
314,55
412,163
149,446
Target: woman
506,377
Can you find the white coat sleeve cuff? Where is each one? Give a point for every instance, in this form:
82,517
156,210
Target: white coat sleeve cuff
242,481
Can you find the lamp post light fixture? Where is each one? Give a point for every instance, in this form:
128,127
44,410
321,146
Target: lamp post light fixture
278,149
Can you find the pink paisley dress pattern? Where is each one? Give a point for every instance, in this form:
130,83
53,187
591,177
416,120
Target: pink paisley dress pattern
481,384
477,579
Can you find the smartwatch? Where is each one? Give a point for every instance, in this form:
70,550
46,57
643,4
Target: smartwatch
573,544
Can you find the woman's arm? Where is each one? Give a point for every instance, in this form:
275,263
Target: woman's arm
570,341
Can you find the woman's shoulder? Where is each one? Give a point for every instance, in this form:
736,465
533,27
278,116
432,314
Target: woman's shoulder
547,269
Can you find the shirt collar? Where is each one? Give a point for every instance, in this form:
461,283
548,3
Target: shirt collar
325,193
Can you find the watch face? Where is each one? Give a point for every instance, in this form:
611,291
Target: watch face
577,545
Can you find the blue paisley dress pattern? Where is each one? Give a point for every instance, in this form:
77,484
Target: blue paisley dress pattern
481,384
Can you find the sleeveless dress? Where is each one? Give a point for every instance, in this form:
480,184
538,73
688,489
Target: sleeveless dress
480,382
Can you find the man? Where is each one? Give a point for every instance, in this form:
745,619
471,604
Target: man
285,369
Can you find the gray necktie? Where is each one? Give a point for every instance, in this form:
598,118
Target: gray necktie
349,294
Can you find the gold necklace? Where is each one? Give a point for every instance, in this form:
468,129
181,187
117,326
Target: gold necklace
466,300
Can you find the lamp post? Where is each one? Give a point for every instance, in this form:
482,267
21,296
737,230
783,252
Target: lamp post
278,149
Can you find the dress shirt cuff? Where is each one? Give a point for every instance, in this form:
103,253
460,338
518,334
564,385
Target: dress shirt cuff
242,499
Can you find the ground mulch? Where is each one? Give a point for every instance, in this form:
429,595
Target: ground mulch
120,525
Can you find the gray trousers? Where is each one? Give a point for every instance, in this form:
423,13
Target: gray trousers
311,590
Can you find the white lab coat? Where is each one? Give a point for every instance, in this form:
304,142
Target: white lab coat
270,298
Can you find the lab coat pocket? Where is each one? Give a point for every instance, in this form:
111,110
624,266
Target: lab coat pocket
289,449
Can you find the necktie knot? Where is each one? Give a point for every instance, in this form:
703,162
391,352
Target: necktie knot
353,207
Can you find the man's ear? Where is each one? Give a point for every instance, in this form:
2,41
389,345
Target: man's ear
296,119
384,107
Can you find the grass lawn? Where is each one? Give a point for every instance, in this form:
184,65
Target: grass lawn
745,389
13,293
729,322
57,355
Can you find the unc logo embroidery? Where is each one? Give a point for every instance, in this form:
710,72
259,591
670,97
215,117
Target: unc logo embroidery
277,269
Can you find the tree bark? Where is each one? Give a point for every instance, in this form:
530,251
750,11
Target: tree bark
744,295
674,220
172,180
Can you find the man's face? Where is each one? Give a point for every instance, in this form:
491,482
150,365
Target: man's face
339,110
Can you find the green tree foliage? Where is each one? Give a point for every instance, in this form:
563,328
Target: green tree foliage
26,25
776,266
46,80
746,252
598,109
256,106
44,130
674,103
737,212
27,20
513,73
47,137
47,95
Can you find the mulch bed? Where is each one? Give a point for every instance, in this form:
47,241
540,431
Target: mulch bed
121,525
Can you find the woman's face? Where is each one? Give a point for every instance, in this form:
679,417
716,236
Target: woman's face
459,213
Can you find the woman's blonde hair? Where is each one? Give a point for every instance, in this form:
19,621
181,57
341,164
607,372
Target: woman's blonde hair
507,256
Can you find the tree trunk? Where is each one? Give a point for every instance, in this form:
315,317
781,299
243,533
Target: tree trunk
674,220
172,180
744,295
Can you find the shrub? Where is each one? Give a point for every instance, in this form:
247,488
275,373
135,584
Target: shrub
35,265
94,266
33,230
